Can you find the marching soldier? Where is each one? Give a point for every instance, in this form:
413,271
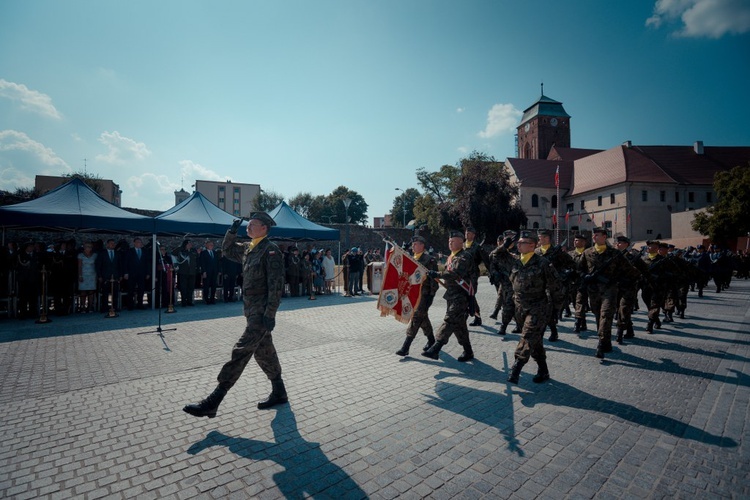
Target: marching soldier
457,276
563,264
602,267
654,291
421,319
536,291
627,294
501,265
263,283
474,249
578,293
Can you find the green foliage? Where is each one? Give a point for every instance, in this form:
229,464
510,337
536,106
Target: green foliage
357,208
91,180
728,217
404,202
267,200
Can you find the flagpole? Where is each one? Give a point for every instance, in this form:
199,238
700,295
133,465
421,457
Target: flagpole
557,207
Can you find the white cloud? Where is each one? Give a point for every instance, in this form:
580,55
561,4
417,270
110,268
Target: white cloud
502,118
703,18
192,171
460,110
31,100
19,155
151,191
121,150
462,149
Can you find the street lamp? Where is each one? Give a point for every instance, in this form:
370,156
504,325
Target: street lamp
347,202
403,203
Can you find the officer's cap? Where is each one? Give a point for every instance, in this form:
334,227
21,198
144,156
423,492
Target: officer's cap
263,217
663,245
580,236
623,239
509,233
599,230
652,242
457,234
544,232
470,229
419,239
528,235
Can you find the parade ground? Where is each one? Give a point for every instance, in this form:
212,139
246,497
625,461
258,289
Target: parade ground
92,408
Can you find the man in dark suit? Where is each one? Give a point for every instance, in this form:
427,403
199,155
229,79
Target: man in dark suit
208,261
109,270
137,274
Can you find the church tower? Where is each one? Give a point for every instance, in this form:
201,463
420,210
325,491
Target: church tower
544,124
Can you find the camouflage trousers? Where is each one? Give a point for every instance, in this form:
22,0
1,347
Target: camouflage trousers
654,300
626,299
455,321
581,301
421,318
533,321
257,341
505,300
603,304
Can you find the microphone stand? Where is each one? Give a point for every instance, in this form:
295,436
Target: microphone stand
159,330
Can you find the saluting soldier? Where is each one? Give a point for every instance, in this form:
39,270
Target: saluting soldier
602,267
457,277
420,318
563,264
627,294
263,285
536,291
502,259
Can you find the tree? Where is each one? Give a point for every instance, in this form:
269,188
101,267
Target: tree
357,208
267,200
311,207
485,197
91,180
404,203
439,184
727,219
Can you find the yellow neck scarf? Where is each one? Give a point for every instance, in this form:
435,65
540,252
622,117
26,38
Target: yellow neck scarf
600,248
545,248
255,241
652,256
525,257
579,251
417,256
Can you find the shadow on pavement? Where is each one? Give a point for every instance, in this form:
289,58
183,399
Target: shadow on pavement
307,471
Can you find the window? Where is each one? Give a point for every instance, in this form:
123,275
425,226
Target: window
644,195
583,204
709,197
677,196
662,196
536,225
612,199
599,201
221,199
236,190
691,197
554,201
649,231
569,207
534,201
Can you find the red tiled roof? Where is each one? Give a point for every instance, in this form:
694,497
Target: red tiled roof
541,173
570,154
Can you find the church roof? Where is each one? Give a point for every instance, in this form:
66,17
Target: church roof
546,107
541,173
570,154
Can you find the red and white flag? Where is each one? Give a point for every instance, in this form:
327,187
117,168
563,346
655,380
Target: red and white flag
402,285
557,176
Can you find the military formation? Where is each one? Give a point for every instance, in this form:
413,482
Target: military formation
597,282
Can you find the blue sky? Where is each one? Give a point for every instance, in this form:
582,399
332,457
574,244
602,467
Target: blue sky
304,96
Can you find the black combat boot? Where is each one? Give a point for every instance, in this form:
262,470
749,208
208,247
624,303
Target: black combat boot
517,329
503,329
515,371
467,355
620,332
568,314
657,324
434,351
682,314
650,327
583,325
477,321
277,396
207,407
629,334
608,345
553,333
405,348
494,314
430,341
600,350
542,374
577,328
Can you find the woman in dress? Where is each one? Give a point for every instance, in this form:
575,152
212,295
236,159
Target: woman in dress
87,278
329,268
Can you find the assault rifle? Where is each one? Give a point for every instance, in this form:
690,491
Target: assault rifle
596,276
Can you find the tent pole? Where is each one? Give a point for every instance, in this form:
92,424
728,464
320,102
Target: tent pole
153,271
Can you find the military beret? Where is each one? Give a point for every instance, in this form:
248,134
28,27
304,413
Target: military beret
652,242
509,233
663,245
420,239
528,235
457,234
544,232
623,239
262,217
470,229
599,230
580,236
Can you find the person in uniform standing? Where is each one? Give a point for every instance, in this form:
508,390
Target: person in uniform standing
209,265
627,294
457,276
578,293
601,268
536,291
263,285
186,263
420,318
474,249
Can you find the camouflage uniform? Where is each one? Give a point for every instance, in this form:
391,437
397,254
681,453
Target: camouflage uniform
659,278
501,265
420,318
532,283
627,296
476,255
578,294
565,266
262,287
601,273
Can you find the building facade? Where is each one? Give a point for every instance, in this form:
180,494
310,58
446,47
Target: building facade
103,187
235,198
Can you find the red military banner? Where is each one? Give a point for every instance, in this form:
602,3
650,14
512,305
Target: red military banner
402,285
